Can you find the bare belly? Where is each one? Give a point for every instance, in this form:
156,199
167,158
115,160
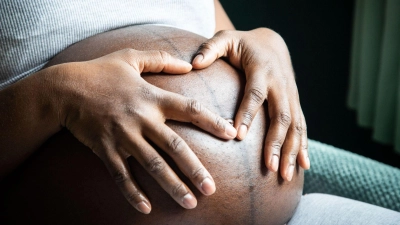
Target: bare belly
65,183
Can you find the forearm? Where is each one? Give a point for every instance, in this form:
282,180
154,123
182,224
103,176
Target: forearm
28,118
222,21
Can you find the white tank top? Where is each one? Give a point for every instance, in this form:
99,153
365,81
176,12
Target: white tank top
34,31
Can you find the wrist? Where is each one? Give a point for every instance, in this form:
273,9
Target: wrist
68,86
51,86
29,112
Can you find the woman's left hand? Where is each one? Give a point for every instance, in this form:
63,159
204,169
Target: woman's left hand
263,56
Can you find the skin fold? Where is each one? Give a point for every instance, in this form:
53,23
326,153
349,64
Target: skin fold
65,183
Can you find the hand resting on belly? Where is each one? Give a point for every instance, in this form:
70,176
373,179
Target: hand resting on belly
65,183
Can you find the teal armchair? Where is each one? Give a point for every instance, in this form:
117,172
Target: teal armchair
342,173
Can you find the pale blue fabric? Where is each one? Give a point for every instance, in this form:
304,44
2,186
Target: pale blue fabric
317,209
32,32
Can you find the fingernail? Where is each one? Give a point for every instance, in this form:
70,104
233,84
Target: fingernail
289,173
230,131
189,201
143,207
207,186
198,59
274,163
308,162
242,132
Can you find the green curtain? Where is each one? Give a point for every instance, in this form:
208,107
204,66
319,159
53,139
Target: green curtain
375,69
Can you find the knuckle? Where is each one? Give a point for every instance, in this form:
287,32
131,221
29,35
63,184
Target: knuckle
219,124
152,94
194,107
230,121
155,165
120,176
164,56
284,119
304,144
247,118
273,56
131,110
140,115
145,91
178,190
251,57
133,196
199,172
276,147
158,59
298,128
176,145
276,38
257,95
290,157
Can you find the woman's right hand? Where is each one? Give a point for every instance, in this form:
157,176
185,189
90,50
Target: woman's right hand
109,107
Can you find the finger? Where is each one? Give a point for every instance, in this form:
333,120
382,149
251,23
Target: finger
120,172
187,161
179,108
156,62
156,166
303,156
218,46
279,112
254,96
291,147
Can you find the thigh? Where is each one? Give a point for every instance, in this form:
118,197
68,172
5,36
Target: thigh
330,209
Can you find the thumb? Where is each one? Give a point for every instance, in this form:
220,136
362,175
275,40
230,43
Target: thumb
221,45
157,61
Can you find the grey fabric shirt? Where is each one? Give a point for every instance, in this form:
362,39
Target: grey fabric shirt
34,31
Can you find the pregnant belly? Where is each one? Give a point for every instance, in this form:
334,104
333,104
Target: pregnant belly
65,183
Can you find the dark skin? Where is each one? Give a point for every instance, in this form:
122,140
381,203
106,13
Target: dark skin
265,60
64,183
95,101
